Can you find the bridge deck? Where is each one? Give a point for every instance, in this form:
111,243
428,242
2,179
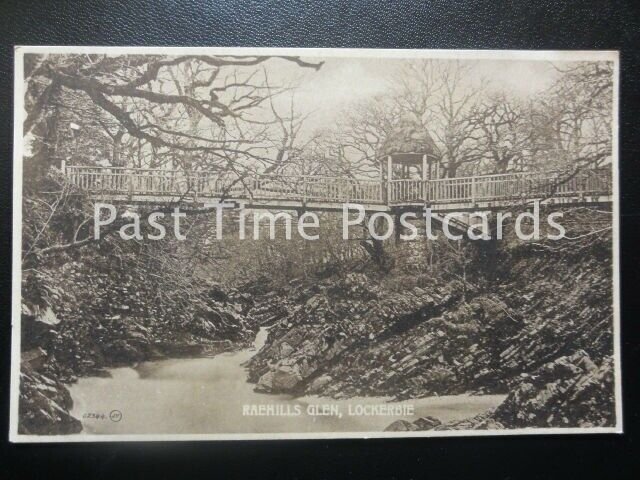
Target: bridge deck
158,186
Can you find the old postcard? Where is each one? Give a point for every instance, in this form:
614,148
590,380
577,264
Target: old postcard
215,243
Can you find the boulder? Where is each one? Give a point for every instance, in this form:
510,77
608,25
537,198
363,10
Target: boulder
120,352
401,426
34,358
47,316
320,382
286,378
285,349
427,423
265,383
282,379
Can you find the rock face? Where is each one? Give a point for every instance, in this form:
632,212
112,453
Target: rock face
571,391
44,405
338,329
540,329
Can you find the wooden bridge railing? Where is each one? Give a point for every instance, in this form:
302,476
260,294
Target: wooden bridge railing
203,185
304,188
502,187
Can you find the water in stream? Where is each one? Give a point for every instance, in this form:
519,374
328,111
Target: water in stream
208,395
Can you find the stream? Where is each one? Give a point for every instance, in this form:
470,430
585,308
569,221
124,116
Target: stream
211,395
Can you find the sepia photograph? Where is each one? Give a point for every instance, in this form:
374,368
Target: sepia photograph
251,243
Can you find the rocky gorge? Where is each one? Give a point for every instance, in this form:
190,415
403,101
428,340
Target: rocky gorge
539,331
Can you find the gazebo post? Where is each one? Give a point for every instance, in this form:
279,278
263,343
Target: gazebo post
425,177
389,177
381,175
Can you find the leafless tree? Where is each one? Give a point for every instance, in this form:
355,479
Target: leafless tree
192,112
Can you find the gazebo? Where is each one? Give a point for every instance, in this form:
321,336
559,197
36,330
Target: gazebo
410,146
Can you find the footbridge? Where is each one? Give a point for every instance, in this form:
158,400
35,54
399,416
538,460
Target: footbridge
324,193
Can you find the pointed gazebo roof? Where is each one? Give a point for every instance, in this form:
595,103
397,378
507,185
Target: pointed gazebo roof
408,142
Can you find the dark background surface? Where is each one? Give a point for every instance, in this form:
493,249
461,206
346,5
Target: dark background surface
544,24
